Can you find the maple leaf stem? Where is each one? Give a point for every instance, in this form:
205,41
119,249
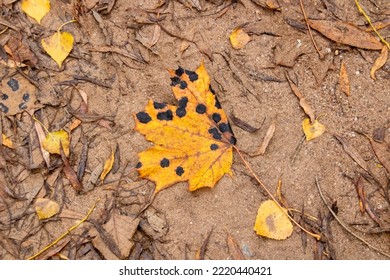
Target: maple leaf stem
316,236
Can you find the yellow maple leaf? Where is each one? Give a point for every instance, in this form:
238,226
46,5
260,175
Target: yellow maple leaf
36,9
193,140
53,140
107,166
239,38
272,221
46,208
58,46
7,142
312,130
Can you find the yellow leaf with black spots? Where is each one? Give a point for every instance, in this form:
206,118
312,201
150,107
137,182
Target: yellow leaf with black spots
193,140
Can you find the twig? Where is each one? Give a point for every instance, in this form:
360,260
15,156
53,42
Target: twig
66,233
316,236
344,226
308,28
372,26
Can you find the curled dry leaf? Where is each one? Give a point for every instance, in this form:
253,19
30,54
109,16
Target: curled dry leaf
267,138
46,208
239,38
346,33
107,166
380,61
36,9
234,248
41,139
272,221
312,130
352,152
344,80
70,173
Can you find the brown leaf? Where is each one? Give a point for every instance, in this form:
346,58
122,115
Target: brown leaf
120,230
107,166
302,100
352,152
267,138
346,33
41,138
234,248
344,80
382,152
199,254
380,61
20,52
70,173
242,124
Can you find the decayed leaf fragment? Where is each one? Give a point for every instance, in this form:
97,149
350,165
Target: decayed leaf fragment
344,80
53,141
46,208
36,9
107,166
6,141
239,38
272,221
58,46
193,140
346,33
380,61
312,130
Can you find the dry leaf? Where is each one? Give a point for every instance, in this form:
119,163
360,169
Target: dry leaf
193,141
107,166
380,61
75,123
344,80
41,139
302,100
70,173
352,152
382,152
267,138
272,221
46,208
234,248
312,130
346,33
239,38
53,141
36,9
58,46
7,142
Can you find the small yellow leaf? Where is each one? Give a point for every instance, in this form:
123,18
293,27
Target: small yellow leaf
239,38
272,221
107,166
380,61
312,130
53,140
36,9
7,142
46,208
58,46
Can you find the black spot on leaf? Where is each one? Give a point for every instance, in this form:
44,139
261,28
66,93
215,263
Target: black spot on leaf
179,170
158,105
223,127
212,90
214,132
13,84
139,165
217,104
233,140
164,162
183,102
216,117
4,96
201,109
3,108
192,75
183,85
175,81
213,147
165,116
143,117
179,71
22,106
181,112
26,96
